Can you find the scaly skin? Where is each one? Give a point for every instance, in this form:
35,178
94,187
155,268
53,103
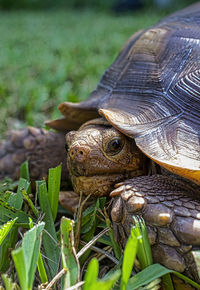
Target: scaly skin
172,214
169,206
92,169
43,149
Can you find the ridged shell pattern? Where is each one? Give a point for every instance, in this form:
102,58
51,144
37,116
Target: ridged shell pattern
152,92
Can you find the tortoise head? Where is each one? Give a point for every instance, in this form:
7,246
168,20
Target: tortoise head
99,156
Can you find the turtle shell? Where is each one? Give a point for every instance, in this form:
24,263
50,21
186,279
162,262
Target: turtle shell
152,93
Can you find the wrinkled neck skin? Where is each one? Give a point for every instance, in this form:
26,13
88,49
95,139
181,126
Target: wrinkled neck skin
99,156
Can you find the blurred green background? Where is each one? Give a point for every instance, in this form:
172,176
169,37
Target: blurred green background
53,51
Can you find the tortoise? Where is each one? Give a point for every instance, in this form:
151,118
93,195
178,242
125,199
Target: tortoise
137,139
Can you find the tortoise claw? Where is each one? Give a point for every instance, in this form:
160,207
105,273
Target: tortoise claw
117,191
118,184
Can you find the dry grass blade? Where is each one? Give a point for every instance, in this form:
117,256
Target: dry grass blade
76,286
93,241
79,218
103,252
56,278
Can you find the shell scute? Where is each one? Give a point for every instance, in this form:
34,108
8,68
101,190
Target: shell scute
156,99
152,93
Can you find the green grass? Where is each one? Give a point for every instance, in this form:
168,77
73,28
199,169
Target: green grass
44,244
54,56
47,58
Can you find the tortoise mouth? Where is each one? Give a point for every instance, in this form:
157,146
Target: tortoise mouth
102,184
75,171
96,185
80,171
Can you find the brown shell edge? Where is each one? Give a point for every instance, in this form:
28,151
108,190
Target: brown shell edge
184,171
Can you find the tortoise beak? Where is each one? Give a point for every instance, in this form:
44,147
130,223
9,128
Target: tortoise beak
75,164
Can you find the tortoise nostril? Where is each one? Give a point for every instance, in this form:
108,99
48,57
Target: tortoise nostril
79,153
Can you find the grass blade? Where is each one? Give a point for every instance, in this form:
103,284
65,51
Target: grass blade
108,283
115,245
26,256
30,203
144,249
24,171
40,264
186,279
128,260
49,239
16,199
91,277
70,262
153,272
8,243
54,179
20,266
147,275
5,229
167,282
8,212
86,225
41,269
91,274
9,284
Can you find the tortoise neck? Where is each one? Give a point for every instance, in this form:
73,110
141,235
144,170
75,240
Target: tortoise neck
181,181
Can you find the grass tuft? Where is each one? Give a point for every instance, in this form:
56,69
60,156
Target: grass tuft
32,225
50,57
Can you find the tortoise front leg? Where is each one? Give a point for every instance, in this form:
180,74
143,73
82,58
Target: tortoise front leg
69,200
72,201
172,216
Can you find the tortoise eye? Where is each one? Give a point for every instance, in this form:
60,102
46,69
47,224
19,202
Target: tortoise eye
114,146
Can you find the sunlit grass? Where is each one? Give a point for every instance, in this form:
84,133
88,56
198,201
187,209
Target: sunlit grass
27,226
50,57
